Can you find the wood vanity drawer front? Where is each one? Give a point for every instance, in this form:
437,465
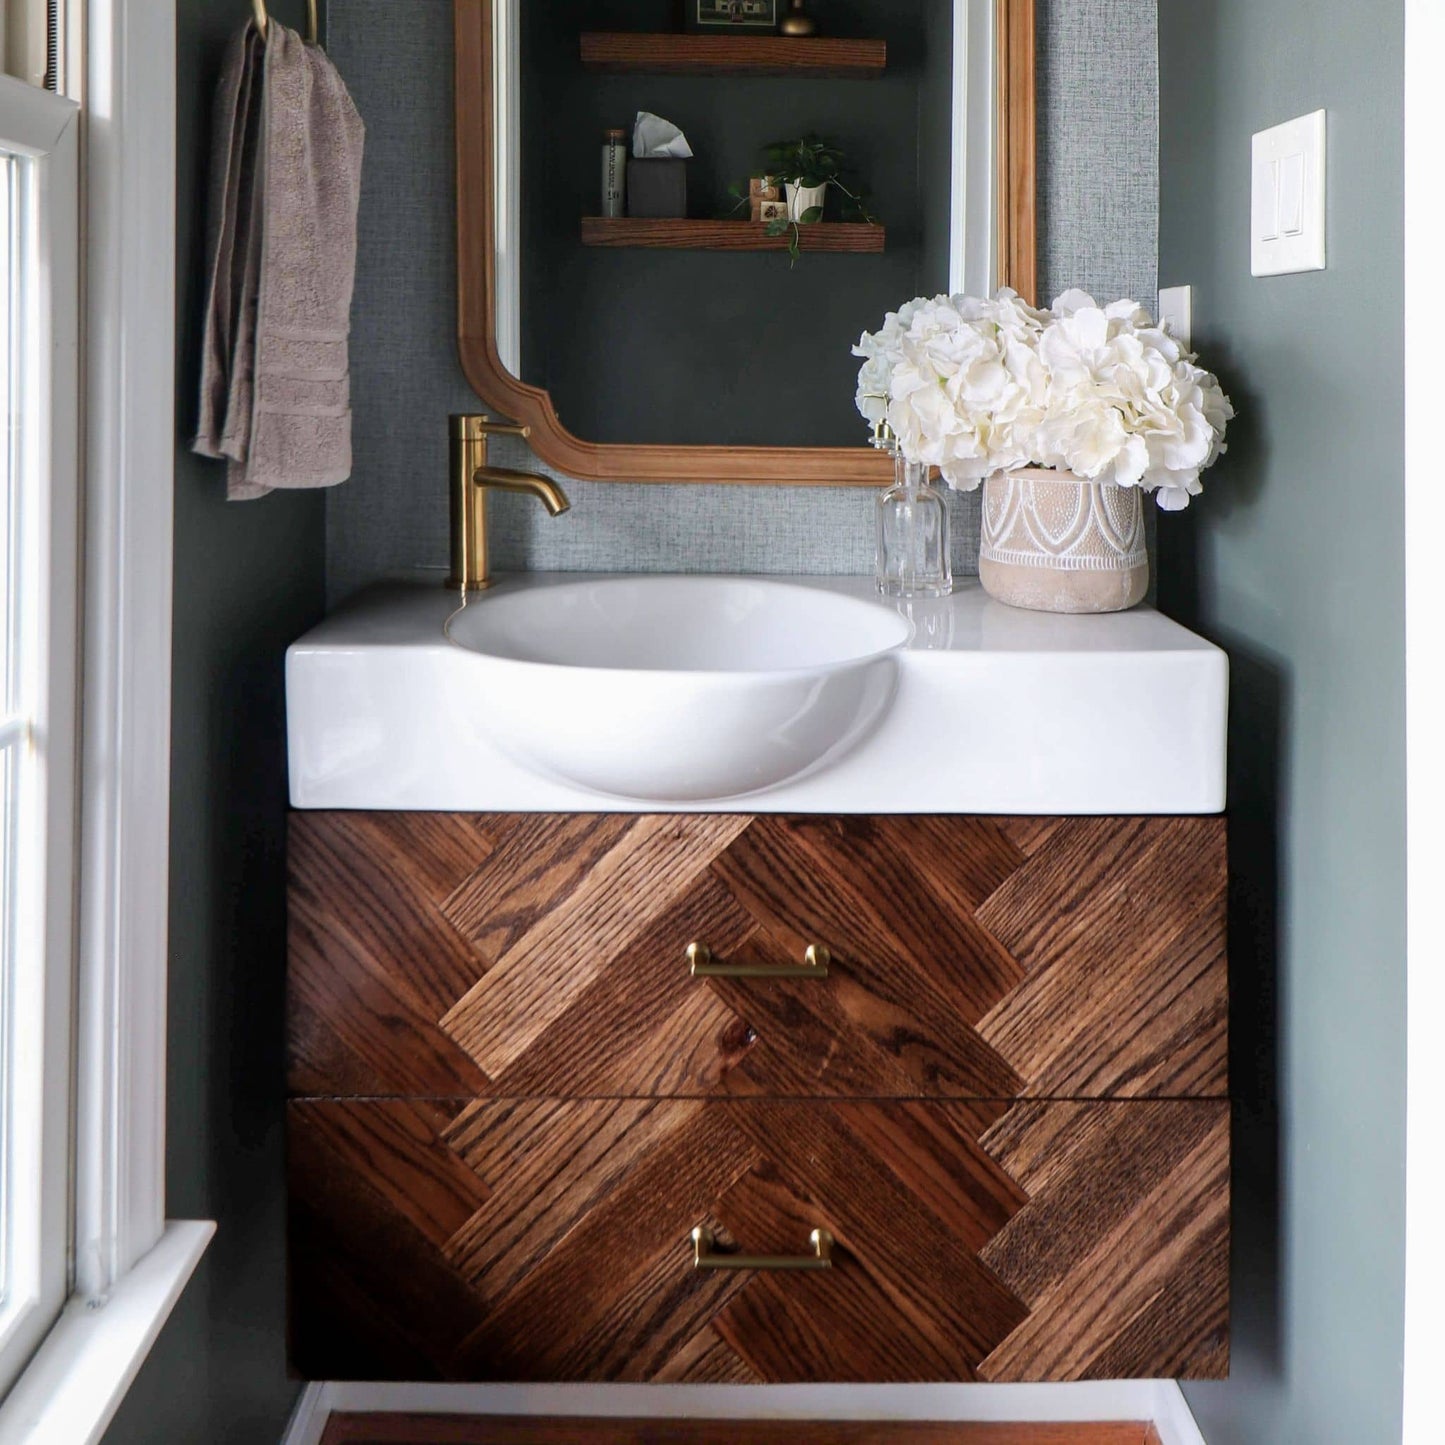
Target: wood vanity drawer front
537,1240
462,955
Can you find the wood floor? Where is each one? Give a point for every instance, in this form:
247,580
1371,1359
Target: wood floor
455,1430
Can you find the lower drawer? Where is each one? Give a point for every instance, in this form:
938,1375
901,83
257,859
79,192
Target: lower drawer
548,1240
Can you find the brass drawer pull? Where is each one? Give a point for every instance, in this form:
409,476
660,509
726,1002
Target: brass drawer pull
814,965
705,1255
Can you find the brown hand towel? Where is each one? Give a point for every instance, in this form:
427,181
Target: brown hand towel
275,385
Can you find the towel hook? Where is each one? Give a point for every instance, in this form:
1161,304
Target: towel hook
259,6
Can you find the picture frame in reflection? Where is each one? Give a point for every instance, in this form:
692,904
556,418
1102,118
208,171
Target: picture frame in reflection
718,17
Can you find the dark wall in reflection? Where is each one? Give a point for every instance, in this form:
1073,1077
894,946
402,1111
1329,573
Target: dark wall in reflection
697,347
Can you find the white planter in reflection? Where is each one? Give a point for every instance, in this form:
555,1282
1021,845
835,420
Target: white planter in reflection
802,199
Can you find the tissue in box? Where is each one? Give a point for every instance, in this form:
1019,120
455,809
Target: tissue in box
657,188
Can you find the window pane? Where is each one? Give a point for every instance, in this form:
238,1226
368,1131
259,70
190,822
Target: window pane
9,324
18,1116
31,35
36,675
8,802
11,735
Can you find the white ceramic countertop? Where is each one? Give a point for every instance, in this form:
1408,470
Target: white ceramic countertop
996,711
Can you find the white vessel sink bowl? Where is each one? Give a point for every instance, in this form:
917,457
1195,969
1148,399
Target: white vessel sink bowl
676,688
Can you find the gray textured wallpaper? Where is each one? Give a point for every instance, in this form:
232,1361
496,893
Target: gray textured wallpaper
1098,154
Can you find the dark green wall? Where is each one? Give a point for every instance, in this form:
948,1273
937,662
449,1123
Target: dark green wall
248,580
1294,560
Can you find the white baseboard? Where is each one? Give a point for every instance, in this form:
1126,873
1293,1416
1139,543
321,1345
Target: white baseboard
308,1419
1160,1401
1175,1421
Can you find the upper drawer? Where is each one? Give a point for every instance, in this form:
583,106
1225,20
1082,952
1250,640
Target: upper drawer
443,954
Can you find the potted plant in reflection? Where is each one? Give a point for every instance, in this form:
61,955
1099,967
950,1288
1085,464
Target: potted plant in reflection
1066,416
807,168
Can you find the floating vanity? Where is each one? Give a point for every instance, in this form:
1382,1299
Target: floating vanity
910,1066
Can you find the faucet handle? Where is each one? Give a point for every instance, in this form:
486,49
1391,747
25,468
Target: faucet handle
476,427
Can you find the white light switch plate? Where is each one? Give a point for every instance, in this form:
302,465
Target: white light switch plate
1176,306
1287,197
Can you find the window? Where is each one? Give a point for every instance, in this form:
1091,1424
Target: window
127,1264
38,658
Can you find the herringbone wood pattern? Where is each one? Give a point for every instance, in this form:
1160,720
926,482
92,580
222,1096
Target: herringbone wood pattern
498,1239
465,956
543,1101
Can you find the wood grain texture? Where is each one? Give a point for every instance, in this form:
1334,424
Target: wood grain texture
669,53
532,406
683,235
1119,927
544,955
373,960
1042,1241
1128,1215
1017,161
500,1430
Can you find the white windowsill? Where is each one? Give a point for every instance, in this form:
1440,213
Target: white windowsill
78,1377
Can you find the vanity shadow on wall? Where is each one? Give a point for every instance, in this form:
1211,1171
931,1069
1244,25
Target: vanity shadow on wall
691,347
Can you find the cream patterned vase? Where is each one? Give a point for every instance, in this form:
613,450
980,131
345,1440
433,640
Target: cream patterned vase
1054,542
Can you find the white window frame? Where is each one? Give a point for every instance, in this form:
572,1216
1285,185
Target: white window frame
129,1264
43,130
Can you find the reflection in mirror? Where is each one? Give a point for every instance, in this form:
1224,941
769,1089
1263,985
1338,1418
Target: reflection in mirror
656,345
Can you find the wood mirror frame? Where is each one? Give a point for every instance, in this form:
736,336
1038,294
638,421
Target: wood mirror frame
613,462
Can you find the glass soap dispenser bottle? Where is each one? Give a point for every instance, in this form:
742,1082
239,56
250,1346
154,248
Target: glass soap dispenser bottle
913,551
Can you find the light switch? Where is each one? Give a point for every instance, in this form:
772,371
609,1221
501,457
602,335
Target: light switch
1176,306
1266,201
1287,197
1292,195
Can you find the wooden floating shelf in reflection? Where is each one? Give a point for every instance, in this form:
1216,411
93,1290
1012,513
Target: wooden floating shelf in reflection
654,54
729,235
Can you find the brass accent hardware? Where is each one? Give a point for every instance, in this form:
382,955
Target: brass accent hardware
471,480
815,964
705,1255
504,479
258,7
796,22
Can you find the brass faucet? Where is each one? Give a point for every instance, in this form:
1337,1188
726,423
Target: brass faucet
472,479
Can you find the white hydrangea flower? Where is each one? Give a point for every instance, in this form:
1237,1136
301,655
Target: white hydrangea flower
1126,403
960,382
975,386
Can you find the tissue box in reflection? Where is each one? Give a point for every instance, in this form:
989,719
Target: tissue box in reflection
657,188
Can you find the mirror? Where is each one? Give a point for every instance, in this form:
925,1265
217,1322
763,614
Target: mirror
697,348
